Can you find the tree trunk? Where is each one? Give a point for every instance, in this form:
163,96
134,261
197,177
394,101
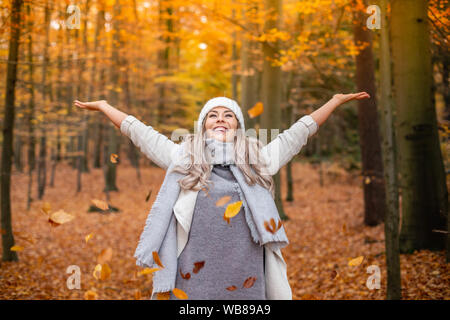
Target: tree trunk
42,162
249,81
8,131
422,177
271,89
31,109
368,128
391,221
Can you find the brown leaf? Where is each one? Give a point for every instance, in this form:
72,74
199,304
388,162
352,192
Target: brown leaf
231,288
249,282
198,266
279,225
148,195
333,274
156,259
185,276
180,294
267,226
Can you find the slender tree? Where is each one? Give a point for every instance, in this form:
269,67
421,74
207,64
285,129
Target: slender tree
8,131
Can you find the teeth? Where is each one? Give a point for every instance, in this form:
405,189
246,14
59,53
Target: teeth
220,129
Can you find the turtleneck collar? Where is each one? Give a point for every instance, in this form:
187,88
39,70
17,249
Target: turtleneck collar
219,152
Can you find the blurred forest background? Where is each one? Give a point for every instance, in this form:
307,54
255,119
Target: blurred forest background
160,61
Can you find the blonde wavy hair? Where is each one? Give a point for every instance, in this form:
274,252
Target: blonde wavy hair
197,170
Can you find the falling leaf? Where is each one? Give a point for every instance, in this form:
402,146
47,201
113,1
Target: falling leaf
148,271
180,294
333,274
16,248
102,271
137,294
367,180
90,295
249,282
185,276
356,261
223,201
231,288
113,157
163,295
100,204
88,237
60,217
106,272
226,219
105,255
256,110
198,265
46,208
233,209
148,195
156,259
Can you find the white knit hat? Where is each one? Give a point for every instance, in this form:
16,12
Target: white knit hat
221,102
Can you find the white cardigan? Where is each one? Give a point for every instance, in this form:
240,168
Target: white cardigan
162,151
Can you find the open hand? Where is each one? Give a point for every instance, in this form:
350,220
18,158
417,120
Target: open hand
343,98
94,105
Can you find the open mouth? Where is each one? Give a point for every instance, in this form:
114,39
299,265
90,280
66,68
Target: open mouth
220,129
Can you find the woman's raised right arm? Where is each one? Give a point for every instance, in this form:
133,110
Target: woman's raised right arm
156,146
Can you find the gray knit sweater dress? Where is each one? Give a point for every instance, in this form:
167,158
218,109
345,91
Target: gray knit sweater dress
220,260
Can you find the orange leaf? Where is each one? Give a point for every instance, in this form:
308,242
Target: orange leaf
16,248
231,288
273,225
156,259
113,157
88,237
279,225
148,271
249,282
180,294
105,256
256,110
198,266
223,201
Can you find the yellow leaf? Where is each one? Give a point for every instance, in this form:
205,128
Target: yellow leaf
256,110
233,209
356,261
100,204
97,271
148,271
180,294
105,255
60,217
88,237
223,201
16,248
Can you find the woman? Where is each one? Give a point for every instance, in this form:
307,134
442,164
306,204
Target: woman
202,252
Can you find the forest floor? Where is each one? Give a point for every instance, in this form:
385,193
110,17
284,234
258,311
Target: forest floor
325,231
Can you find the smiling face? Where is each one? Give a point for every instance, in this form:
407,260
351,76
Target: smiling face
221,124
